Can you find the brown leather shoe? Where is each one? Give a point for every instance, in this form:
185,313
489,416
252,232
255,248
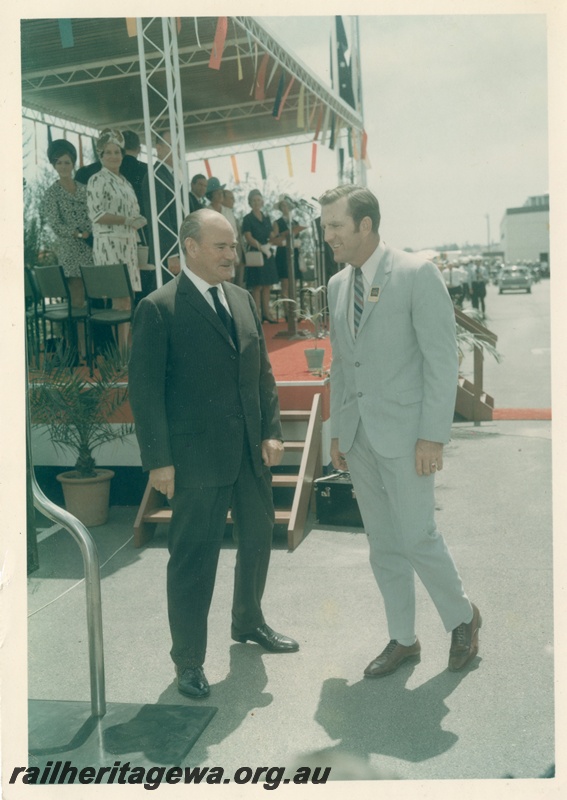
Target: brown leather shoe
464,642
391,657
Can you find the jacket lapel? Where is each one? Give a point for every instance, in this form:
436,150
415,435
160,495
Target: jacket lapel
379,281
194,297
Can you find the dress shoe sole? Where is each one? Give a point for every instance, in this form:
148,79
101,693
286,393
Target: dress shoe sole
415,659
267,647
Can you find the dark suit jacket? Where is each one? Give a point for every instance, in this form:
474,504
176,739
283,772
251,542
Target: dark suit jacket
194,203
167,213
135,171
196,399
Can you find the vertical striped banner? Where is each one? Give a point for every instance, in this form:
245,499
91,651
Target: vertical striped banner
288,157
235,169
208,168
262,165
314,157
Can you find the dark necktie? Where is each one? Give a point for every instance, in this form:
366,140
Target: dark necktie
358,297
225,317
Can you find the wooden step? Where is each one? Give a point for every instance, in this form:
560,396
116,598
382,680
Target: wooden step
283,480
161,516
294,416
294,447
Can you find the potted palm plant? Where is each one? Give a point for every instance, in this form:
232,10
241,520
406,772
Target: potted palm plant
77,412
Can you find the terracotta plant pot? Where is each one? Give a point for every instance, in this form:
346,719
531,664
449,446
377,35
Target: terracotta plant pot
87,498
315,357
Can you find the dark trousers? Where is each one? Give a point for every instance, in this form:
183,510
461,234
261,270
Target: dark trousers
195,537
478,295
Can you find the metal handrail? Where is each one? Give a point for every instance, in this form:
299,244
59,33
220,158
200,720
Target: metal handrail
91,563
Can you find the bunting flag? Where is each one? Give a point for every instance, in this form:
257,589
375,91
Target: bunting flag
314,157
262,165
355,153
272,73
80,151
289,164
178,20
238,61
131,28
349,140
235,170
278,97
345,72
260,91
197,30
341,161
284,98
66,33
49,136
364,143
312,115
332,135
301,107
208,168
325,125
218,44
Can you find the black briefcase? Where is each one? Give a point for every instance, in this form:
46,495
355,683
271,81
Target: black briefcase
335,500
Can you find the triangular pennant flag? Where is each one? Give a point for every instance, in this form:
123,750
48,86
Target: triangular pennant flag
208,168
301,107
289,164
235,169
131,27
66,33
260,92
278,97
284,98
262,165
218,44
314,157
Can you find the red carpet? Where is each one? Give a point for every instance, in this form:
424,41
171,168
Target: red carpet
287,356
522,413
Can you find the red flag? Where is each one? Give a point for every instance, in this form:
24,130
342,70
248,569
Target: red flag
235,169
314,157
218,44
208,168
260,93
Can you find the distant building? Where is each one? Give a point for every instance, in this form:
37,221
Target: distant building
524,231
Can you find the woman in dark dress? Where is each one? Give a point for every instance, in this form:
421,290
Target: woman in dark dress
280,237
257,230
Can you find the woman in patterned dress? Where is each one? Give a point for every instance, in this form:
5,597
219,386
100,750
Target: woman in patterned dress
257,230
115,214
65,209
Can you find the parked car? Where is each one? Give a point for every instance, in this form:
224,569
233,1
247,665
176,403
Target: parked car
514,278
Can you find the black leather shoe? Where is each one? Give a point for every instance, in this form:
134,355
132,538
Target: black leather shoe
191,681
268,639
464,642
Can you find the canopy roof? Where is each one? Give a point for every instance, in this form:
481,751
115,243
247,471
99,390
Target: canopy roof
96,81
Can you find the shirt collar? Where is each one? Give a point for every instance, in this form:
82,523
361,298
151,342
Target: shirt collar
201,284
371,264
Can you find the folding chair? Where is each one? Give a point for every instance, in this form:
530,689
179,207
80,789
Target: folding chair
56,303
106,282
33,314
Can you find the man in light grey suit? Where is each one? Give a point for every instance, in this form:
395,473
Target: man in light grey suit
393,386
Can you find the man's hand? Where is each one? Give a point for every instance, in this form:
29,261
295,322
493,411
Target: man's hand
163,479
338,459
428,457
272,452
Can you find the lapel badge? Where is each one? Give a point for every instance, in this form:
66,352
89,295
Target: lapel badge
374,295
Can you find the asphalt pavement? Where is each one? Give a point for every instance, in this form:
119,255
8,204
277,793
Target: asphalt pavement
496,719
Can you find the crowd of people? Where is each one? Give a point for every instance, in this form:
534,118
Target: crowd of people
467,280
102,214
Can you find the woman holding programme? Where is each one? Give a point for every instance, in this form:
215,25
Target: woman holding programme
257,230
115,214
65,208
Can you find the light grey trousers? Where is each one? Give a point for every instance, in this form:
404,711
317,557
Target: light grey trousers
398,510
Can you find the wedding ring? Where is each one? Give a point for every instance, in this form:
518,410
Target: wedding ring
433,465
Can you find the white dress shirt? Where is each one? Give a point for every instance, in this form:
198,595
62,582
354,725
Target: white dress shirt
368,271
204,287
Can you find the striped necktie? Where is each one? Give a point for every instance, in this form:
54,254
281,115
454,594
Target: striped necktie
358,297
225,317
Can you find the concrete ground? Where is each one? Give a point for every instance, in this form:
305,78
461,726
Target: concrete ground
495,719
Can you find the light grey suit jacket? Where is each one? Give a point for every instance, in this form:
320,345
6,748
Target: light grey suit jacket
399,376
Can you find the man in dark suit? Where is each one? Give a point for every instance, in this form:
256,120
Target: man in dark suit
131,167
197,193
207,420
